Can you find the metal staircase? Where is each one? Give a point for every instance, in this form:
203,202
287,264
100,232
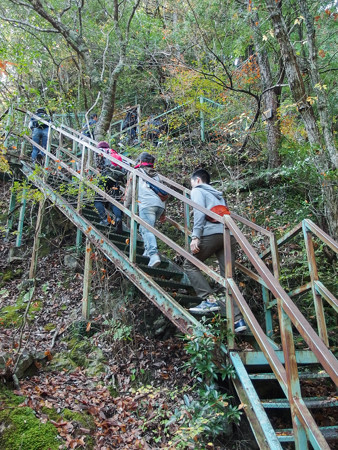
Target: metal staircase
272,380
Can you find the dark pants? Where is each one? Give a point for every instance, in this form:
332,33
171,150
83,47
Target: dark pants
210,246
99,202
99,205
39,136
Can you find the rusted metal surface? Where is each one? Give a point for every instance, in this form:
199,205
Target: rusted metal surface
229,297
256,358
87,276
258,419
251,274
318,301
291,370
173,310
251,224
310,226
288,312
301,289
325,293
323,354
314,434
283,240
299,410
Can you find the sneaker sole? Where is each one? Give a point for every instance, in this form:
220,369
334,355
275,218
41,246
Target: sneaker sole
239,329
203,311
156,264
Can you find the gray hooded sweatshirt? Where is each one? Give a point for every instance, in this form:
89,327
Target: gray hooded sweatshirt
206,196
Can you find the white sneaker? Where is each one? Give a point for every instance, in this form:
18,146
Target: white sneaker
155,260
205,307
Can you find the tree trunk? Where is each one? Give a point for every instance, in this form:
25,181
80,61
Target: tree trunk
300,95
293,74
107,111
270,98
322,103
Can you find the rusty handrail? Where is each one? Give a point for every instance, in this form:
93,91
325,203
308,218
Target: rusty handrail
286,376
297,318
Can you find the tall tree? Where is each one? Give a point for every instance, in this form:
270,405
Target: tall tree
97,33
271,91
328,155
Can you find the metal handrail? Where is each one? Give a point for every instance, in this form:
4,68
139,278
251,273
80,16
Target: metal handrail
287,310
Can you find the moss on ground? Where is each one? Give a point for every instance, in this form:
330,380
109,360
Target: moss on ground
21,429
12,315
49,327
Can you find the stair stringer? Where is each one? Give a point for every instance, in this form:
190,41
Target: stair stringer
178,315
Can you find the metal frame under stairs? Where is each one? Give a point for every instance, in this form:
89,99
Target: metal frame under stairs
278,363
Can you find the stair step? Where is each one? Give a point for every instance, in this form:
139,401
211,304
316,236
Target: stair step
185,299
302,375
286,434
173,285
124,246
257,358
160,272
143,260
310,402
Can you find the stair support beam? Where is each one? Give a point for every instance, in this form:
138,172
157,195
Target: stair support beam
267,312
300,409
324,355
258,419
173,310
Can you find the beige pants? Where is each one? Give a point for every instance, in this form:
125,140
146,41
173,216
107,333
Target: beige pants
211,245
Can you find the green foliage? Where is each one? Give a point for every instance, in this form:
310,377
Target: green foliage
24,188
12,315
209,414
21,428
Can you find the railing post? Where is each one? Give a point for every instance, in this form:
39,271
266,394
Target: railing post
291,375
138,123
229,297
48,147
133,223
87,278
80,197
8,124
186,221
265,291
202,119
24,142
318,301
267,312
11,208
36,244
21,217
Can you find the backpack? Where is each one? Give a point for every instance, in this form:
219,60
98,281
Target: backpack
38,124
221,210
160,192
